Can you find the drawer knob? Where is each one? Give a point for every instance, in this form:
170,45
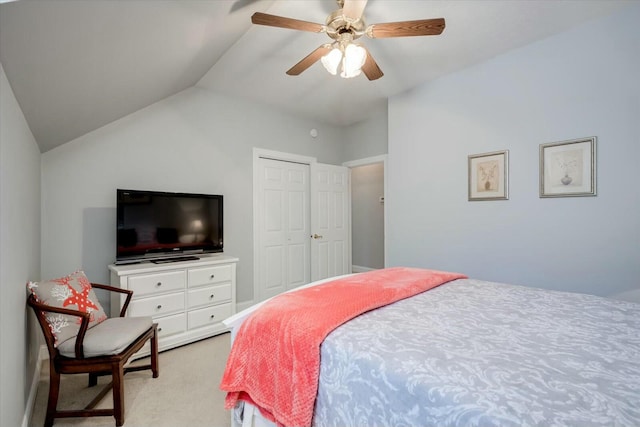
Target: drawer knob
159,284
211,296
159,329
212,276
213,315
159,306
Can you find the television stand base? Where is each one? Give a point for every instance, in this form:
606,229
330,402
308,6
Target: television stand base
175,259
127,262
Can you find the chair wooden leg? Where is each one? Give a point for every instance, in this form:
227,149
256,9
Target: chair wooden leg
54,391
118,393
93,379
154,352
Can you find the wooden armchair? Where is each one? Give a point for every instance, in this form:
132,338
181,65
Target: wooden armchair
100,350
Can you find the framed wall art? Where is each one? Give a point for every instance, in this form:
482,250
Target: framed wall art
489,176
568,168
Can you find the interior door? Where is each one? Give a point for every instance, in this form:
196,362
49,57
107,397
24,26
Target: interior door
330,221
283,221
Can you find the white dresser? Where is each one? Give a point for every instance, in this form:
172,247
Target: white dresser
187,299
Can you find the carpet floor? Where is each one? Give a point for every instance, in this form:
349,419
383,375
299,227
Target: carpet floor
185,394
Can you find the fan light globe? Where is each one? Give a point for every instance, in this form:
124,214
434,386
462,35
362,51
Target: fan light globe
331,60
351,57
354,57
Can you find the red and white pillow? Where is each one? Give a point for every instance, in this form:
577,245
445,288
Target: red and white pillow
73,292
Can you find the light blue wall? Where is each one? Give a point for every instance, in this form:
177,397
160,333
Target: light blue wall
196,141
367,138
19,255
581,83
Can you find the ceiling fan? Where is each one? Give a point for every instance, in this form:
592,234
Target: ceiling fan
344,26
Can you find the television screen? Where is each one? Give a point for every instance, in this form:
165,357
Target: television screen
154,224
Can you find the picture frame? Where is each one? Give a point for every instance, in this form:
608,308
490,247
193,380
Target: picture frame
489,176
568,168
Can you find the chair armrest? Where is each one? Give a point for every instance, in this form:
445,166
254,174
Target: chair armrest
119,290
43,307
40,309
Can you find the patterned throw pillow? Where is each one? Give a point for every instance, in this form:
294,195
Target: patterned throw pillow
73,292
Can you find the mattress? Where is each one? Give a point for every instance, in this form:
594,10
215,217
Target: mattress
472,352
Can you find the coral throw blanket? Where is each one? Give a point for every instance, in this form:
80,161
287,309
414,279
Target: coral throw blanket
274,362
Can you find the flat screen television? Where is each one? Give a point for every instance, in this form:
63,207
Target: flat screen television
160,226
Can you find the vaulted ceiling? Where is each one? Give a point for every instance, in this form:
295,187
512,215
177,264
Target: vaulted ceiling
75,66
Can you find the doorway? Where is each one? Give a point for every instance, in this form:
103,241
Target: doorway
368,188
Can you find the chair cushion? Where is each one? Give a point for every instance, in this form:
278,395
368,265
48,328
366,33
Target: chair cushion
110,337
74,292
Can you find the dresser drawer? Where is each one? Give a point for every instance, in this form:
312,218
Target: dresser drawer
209,275
170,325
209,295
146,284
157,306
208,316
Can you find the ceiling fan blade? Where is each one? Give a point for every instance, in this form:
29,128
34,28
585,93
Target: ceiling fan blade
370,67
353,9
309,60
282,22
421,27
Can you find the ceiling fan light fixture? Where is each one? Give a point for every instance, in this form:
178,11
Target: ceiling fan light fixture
353,60
344,26
332,60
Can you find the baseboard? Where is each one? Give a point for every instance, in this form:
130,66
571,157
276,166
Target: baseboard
360,269
43,355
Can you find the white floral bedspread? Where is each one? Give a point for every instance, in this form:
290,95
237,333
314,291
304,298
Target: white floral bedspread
475,353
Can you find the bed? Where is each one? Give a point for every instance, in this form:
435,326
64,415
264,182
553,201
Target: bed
472,353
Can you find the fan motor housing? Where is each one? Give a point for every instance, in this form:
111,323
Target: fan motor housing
338,24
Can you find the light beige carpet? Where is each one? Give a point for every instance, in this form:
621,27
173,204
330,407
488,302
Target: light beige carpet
185,394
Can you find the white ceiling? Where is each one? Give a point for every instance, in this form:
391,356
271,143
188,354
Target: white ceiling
75,66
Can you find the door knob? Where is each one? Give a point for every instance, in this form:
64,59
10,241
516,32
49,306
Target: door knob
316,236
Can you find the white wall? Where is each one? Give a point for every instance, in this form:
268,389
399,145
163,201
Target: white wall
581,83
19,254
196,141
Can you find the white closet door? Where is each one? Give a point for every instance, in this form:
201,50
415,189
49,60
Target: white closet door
283,220
330,221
